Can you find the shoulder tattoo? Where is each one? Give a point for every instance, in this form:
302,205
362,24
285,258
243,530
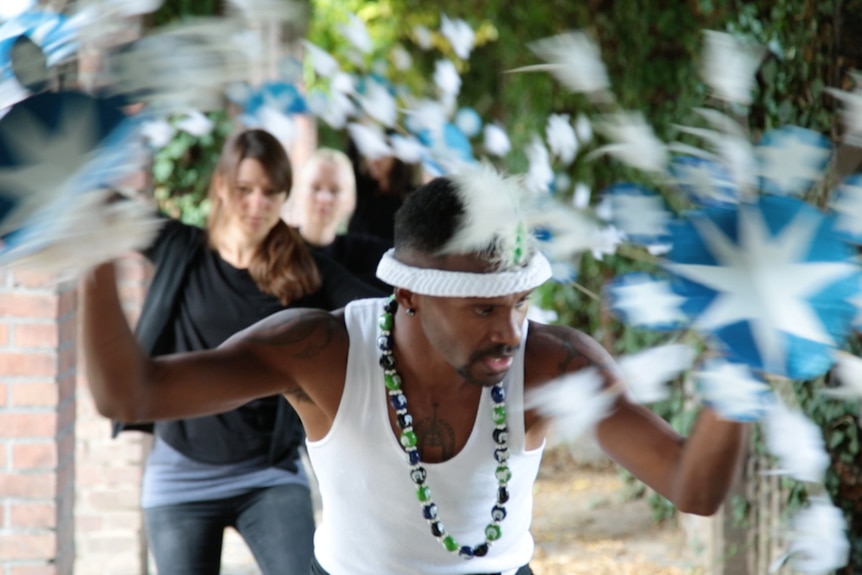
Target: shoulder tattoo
307,333
579,351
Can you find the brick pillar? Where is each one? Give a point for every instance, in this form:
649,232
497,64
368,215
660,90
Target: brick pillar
110,536
37,413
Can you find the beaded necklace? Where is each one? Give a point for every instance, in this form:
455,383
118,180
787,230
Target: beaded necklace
385,343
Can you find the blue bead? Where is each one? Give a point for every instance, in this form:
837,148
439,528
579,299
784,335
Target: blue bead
429,512
501,435
398,401
387,361
437,529
498,513
413,456
498,394
418,475
391,306
501,454
480,550
502,494
384,343
404,420
466,552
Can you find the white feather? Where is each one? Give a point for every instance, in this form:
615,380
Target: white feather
851,110
817,539
729,66
157,133
648,303
406,148
446,78
633,142
423,38
369,140
574,403
280,125
561,138
492,214
848,372
459,34
581,196
574,59
90,232
196,124
496,141
379,103
731,144
401,58
540,175
321,60
647,373
797,443
584,129
732,390
357,34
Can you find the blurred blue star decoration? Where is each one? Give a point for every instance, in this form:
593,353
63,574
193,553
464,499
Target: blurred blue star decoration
54,147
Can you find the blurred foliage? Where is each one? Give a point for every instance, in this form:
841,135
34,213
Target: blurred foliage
183,168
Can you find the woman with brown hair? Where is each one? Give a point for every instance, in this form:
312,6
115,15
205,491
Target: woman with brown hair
241,468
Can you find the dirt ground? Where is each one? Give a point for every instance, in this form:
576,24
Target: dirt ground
582,523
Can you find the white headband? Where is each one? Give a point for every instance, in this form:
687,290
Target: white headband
443,283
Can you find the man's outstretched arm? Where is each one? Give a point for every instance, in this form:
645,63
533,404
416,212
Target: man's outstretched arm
694,473
129,386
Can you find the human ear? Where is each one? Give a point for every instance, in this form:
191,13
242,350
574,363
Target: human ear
406,299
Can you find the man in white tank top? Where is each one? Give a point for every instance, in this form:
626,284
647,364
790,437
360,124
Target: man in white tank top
414,406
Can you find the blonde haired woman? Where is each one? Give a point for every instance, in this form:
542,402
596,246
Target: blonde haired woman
321,205
323,197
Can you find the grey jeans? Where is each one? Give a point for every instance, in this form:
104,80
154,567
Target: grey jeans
277,524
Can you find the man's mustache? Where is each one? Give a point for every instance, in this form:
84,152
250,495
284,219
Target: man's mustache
495,351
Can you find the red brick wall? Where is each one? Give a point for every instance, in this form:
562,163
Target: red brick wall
37,414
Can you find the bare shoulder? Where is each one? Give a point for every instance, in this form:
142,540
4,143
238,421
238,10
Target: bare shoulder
300,333
309,346
555,350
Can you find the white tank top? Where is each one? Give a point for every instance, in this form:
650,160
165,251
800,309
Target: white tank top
372,522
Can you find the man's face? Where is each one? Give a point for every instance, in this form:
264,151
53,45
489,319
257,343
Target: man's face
476,336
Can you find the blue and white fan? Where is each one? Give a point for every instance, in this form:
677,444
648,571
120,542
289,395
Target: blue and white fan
769,280
61,154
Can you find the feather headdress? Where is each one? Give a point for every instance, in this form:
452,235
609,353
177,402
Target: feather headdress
493,221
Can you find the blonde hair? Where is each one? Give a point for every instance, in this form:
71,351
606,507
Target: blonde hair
283,265
345,168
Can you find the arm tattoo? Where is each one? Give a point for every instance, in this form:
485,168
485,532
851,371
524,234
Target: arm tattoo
436,438
311,333
579,351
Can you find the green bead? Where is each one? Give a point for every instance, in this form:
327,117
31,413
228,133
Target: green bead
408,438
385,321
423,493
393,381
450,544
504,474
499,415
493,532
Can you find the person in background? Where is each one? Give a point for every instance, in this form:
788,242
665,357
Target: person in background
381,186
240,468
322,202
